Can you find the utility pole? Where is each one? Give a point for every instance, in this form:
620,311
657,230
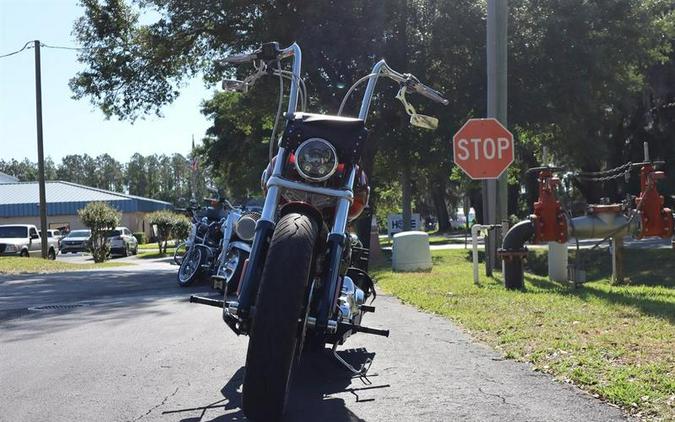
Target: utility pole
495,192
41,154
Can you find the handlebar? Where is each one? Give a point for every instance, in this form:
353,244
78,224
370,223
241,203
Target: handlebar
239,58
430,93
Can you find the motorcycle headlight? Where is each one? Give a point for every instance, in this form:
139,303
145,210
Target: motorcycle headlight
316,159
245,227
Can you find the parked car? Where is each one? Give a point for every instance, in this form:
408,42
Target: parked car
56,235
122,242
76,241
24,240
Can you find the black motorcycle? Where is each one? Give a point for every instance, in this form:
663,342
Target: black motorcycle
301,288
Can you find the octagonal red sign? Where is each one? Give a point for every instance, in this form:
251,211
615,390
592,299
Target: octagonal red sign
483,148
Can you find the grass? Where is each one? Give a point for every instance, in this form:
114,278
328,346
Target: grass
617,342
18,265
154,253
434,239
150,246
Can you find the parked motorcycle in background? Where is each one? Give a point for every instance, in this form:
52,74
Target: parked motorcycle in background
304,285
238,231
218,245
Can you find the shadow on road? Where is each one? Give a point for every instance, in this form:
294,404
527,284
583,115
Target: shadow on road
99,295
316,381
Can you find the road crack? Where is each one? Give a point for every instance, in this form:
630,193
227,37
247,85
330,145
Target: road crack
493,395
157,406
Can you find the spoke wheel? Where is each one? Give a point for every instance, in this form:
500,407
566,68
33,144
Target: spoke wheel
189,267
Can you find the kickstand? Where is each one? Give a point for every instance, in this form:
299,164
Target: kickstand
361,372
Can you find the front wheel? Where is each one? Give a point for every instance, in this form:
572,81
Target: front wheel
279,307
232,268
189,267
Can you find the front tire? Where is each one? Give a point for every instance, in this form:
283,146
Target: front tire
278,310
190,267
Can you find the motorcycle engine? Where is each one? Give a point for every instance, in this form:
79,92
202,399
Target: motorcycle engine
351,297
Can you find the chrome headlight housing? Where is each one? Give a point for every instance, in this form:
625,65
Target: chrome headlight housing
316,159
245,227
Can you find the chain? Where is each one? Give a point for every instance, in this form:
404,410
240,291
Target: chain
606,175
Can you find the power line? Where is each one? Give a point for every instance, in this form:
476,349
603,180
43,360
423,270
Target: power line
25,46
29,45
60,47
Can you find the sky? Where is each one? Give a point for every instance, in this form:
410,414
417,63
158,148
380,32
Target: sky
75,126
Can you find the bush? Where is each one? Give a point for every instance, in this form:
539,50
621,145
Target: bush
181,227
169,223
99,217
140,237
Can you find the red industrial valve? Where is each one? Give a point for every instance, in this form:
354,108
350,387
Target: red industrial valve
656,220
549,221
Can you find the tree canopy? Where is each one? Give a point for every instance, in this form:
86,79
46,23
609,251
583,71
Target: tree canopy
590,80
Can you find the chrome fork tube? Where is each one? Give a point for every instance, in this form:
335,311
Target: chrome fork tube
342,208
272,198
335,245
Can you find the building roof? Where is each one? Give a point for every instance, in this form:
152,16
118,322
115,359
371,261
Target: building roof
6,178
20,199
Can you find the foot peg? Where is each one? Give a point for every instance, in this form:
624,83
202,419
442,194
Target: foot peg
344,327
367,308
206,301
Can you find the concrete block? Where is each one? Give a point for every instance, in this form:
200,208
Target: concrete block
410,252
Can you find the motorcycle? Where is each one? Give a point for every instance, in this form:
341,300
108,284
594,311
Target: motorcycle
306,284
238,229
218,244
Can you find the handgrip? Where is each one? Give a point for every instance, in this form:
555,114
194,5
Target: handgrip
239,58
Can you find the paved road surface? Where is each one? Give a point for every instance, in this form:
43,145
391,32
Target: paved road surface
138,350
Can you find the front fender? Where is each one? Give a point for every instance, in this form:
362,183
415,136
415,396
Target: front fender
303,208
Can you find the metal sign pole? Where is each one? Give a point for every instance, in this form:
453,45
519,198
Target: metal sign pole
497,190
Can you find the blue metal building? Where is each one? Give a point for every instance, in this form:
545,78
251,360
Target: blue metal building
19,203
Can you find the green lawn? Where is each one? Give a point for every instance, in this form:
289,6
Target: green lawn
434,239
17,265
154,253
614,341
152,246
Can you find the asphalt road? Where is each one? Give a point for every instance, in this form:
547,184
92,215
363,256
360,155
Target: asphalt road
132,348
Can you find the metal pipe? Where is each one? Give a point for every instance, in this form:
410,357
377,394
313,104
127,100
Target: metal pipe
602,225
475,230
512,252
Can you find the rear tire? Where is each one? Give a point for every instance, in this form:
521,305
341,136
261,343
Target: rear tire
276,324
51,255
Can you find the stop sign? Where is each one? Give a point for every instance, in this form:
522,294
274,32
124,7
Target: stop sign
483,148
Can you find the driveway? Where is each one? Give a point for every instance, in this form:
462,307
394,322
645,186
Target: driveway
126,345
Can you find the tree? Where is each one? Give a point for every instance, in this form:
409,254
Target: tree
579,71
100,218
163,221
137,181
169,223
